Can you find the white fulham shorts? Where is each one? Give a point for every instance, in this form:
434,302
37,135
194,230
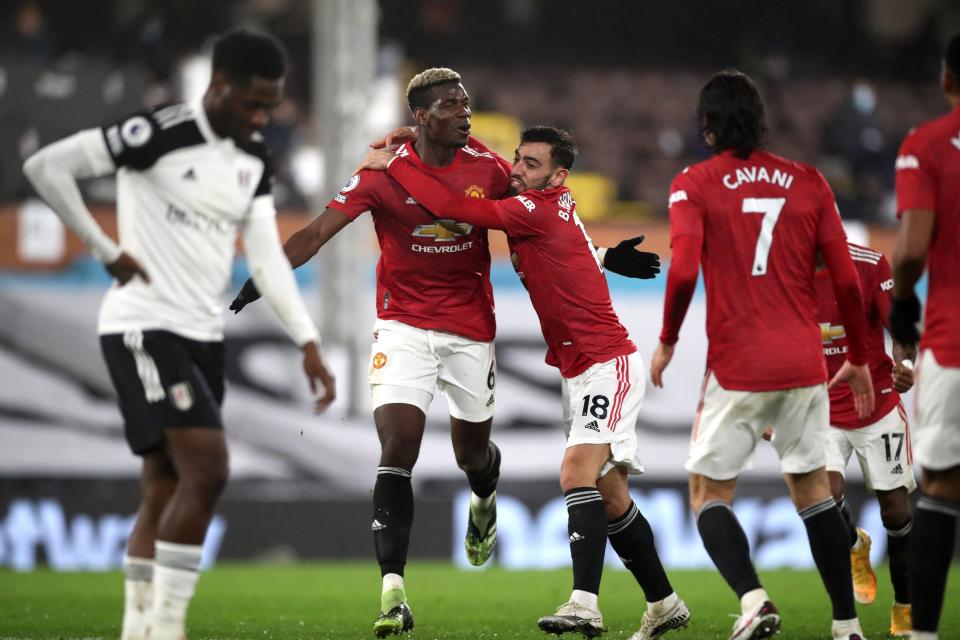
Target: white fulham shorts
883,450
408,364
936,430
601,406
730,423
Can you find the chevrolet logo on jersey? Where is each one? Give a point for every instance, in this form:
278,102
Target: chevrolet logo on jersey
829,333
443,230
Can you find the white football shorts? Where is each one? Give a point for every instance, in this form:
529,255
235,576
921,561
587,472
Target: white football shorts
883,450
408,364
936,429
729,424
601,406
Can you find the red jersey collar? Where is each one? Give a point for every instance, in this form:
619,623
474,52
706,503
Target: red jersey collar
415,159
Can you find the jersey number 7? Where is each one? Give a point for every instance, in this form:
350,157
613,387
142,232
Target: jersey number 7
770,208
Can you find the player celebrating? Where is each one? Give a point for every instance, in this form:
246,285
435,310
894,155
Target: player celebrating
435,324
603,383
757,221
928,202
430,333
881,441
189,176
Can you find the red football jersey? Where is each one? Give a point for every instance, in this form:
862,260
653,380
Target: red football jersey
761,221
928,178
428,276
554,257
876,281
555,260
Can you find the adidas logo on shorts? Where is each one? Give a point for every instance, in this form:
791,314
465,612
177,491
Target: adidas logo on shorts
593,426
897,469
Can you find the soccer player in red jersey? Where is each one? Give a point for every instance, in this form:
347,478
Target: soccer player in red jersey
603,382
928,203
435,324
427,327
881,441
757,221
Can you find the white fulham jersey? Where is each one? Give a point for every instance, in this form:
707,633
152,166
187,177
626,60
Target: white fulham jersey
183,193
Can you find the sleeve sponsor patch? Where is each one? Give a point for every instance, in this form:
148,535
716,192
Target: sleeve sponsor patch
677,196
907,162
526,202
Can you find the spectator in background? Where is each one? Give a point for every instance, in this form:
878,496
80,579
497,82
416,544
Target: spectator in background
855,134
29,34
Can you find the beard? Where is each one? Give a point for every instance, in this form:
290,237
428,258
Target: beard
537,186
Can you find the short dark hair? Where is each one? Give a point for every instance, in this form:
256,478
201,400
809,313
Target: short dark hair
420,88
242,54
951,55
731,110
562,149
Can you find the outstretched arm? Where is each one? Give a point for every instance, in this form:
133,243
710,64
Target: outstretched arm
299,248
305,243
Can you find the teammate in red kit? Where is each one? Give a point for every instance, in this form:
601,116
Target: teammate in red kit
430,332
603,382
435,324
757,222
928,203
881,441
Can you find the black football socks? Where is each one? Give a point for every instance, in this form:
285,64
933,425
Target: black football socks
898,548
931,549
631,537
484,482
587,528
392,518
848,519
828,535
727,545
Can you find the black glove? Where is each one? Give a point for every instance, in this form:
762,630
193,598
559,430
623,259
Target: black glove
627,261
247,295
904,316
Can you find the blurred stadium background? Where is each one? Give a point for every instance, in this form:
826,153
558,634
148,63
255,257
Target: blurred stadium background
843,82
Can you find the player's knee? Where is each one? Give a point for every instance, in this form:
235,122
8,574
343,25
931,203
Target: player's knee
895,517
836,485
942,484
156,492
575,476
472,459
398,451
615,504
207,481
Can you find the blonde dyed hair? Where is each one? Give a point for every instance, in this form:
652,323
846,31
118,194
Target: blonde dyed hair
428,79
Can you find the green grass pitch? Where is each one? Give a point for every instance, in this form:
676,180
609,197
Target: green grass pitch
339,600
